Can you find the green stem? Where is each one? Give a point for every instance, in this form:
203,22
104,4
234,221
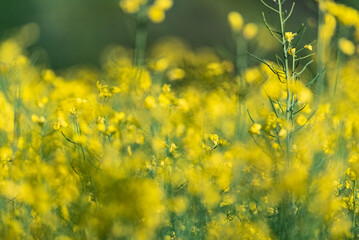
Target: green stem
286,67
241,65
141,37
241,56
287,215
354,205
286,62
321,51
17,106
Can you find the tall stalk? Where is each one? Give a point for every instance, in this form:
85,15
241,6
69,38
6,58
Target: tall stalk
289,109
354,206
286,226
321,50
141,37
241,65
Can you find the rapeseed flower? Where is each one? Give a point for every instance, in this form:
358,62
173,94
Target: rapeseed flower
236,21
346,46
289,36
255,129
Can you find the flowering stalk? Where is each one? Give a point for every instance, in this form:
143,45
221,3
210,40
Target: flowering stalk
287,208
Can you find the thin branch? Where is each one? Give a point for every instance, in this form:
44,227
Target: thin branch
300,33
305,67
68,138
271,8
300,109
309,55
270,29
315,78
270,67
272,105
290,13
279,61
250,116
311,115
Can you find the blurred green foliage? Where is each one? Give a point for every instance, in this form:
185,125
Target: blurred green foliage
77,31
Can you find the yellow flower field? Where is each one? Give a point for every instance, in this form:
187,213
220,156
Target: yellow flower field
168,142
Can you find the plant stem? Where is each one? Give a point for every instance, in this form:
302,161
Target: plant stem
241,65
321,50
17,106
286,62
141,37
354,206
241,56
287,215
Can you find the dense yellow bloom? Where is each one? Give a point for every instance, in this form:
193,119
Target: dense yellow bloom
126,152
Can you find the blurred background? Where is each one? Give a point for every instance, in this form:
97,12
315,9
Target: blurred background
76,32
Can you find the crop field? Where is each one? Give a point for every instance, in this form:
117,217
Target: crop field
168,141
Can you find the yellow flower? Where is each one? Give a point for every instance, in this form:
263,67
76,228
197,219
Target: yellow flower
255,129
34,118
131,6
328,28
309,47
48,75
156,14
101,127
301,120
173,147
289,36
236,21
291,51
346,46
150,102
164,4
176,74
160,65
57,125
282,133
72,110
214,69
250,31
37,119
